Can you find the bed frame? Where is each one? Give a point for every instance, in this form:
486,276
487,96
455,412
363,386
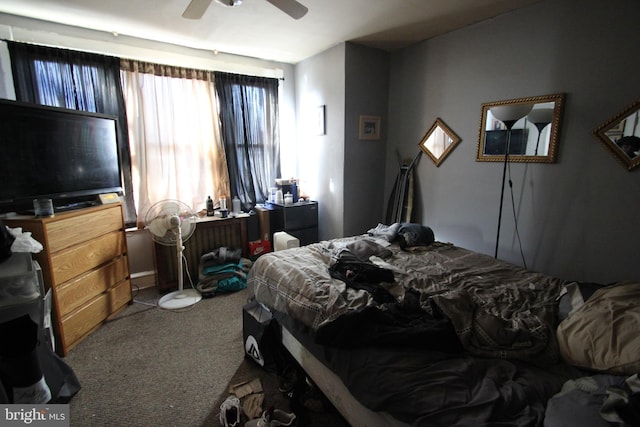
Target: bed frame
334,389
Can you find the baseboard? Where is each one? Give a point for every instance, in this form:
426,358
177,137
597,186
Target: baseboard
143,279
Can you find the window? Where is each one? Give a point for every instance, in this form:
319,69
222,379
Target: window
176,149
249,125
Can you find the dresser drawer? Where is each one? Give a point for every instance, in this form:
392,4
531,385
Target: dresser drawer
67,264
77,291
80,322
119,295
83,320
81,228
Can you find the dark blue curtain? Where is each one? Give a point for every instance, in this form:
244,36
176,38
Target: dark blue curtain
75,80
249,125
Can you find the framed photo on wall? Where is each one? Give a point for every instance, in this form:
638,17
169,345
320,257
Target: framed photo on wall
321,124
369,127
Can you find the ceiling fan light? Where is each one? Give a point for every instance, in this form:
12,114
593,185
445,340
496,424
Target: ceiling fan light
230,3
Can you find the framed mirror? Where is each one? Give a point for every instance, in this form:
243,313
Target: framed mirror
621,135
532,134
439,141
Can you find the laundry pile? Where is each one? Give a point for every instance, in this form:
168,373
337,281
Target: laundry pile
222,270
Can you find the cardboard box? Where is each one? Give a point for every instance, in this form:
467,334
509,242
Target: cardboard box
259,247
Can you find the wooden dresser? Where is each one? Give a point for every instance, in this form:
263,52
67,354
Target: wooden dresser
85,264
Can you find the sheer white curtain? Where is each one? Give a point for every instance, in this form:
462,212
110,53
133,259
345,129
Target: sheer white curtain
174,135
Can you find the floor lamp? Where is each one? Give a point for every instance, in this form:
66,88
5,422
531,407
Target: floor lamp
540,117
509,115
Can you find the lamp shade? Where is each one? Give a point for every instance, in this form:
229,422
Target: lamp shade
541,116
511,113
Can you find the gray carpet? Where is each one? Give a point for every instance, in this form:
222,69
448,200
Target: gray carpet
153,367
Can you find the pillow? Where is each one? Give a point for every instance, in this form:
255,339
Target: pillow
573,296
411,235
602,335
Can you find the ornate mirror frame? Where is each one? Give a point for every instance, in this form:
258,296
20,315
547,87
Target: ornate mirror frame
621,135
533,138
439,141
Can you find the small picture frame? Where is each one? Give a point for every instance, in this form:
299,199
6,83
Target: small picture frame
321,128
369,127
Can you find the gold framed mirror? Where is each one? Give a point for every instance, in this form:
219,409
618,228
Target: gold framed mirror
532,135
621,135
438,142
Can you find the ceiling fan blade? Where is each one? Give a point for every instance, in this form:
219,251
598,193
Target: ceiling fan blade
196,9
292,8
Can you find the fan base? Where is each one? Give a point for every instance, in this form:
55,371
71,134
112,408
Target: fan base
179,299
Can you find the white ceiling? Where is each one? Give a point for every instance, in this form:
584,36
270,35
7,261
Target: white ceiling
260,30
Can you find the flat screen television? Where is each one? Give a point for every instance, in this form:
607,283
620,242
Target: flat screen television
68,156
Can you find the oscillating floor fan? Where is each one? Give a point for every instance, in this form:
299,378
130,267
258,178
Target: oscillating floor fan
171,223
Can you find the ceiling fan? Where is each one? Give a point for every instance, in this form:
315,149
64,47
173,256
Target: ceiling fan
197,8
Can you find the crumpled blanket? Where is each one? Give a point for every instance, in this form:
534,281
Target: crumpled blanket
365,276
351,263
498,309
402,324
358,250
600,400
383,231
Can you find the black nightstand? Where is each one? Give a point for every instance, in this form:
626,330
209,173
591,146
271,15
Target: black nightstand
298,219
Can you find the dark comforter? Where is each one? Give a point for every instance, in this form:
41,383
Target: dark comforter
468,340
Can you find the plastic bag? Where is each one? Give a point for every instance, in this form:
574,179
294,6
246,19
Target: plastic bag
24,242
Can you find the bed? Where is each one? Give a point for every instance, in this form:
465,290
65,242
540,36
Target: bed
398,332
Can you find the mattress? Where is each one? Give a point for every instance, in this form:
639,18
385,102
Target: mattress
465,339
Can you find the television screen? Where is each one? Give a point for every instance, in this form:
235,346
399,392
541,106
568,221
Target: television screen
65,155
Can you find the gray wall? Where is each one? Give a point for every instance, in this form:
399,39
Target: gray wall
579,219
320,158
367,89
345,174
